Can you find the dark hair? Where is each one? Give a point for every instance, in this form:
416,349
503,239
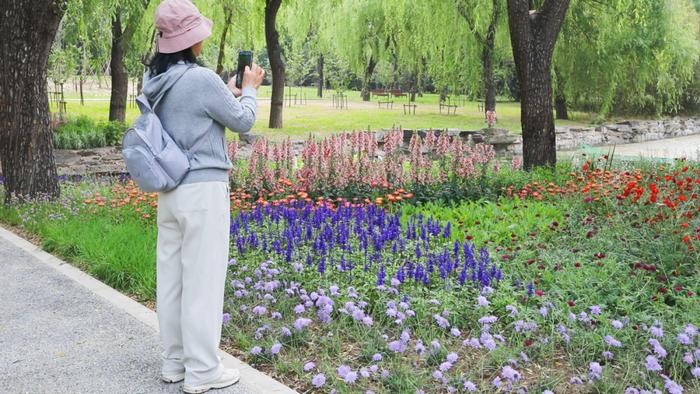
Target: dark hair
160,62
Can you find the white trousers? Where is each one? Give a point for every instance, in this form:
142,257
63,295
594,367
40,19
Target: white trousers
192,256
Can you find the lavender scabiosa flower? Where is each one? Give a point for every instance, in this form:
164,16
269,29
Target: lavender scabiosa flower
481,301
377,357
652,364
658,349
612,341
617,324
452,357
695,372
690,330
351,377
469,386
594,371
512,309
575,380
455,332
301,322
671,386
445,366
343,371
318,380
437,375
607,355
364,372
684,339
510,374
688,358
275,349
596,310
441,321
397,346
488,320
226,318
299,309
256,350
309,366
656,331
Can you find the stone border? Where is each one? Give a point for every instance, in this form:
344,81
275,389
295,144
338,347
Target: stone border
254,378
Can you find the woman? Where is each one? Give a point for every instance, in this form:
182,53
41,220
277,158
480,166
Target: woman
194,219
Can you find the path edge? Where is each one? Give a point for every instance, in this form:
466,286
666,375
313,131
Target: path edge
251,376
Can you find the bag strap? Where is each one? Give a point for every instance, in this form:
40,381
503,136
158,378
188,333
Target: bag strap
153,108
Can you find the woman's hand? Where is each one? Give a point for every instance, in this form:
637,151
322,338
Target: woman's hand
253,77
232,87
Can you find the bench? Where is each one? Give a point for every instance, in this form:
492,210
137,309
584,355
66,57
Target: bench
388,103
398,93
378,93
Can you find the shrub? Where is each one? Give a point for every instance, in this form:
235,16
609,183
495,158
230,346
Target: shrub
84,132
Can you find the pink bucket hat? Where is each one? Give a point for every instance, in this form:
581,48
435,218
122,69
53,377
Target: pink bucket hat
180,25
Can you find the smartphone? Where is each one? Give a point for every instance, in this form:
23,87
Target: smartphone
245,58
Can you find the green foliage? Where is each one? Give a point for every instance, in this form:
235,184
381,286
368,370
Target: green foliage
84,132
628,56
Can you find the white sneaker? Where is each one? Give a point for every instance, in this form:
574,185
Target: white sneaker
172,377
228,378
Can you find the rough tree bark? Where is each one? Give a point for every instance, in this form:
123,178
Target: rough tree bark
120,79
228,15
533,35
26,146
274,52
319,69
560,97
368,76
120,44
487,60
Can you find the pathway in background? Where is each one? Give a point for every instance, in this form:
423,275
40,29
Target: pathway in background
58,336
671,148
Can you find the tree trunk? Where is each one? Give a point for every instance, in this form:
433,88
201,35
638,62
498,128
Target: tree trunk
368,76
319,69
26,145
120,80
228,15
274,52
487,59
560,97
533,37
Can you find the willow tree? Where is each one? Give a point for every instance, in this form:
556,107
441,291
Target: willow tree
483,17
599,42
126,17
26,147
361,37
533,34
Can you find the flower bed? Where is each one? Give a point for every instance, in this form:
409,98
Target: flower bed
580,281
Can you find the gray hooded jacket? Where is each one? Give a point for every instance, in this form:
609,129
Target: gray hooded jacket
198,106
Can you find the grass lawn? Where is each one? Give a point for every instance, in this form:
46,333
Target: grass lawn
318,116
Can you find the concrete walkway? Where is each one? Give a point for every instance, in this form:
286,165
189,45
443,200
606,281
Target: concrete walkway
62,331
671,148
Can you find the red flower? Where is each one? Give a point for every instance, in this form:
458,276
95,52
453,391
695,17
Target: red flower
527,342
540,293
570,303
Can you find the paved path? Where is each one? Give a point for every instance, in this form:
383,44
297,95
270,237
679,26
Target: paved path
671,148
58,336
